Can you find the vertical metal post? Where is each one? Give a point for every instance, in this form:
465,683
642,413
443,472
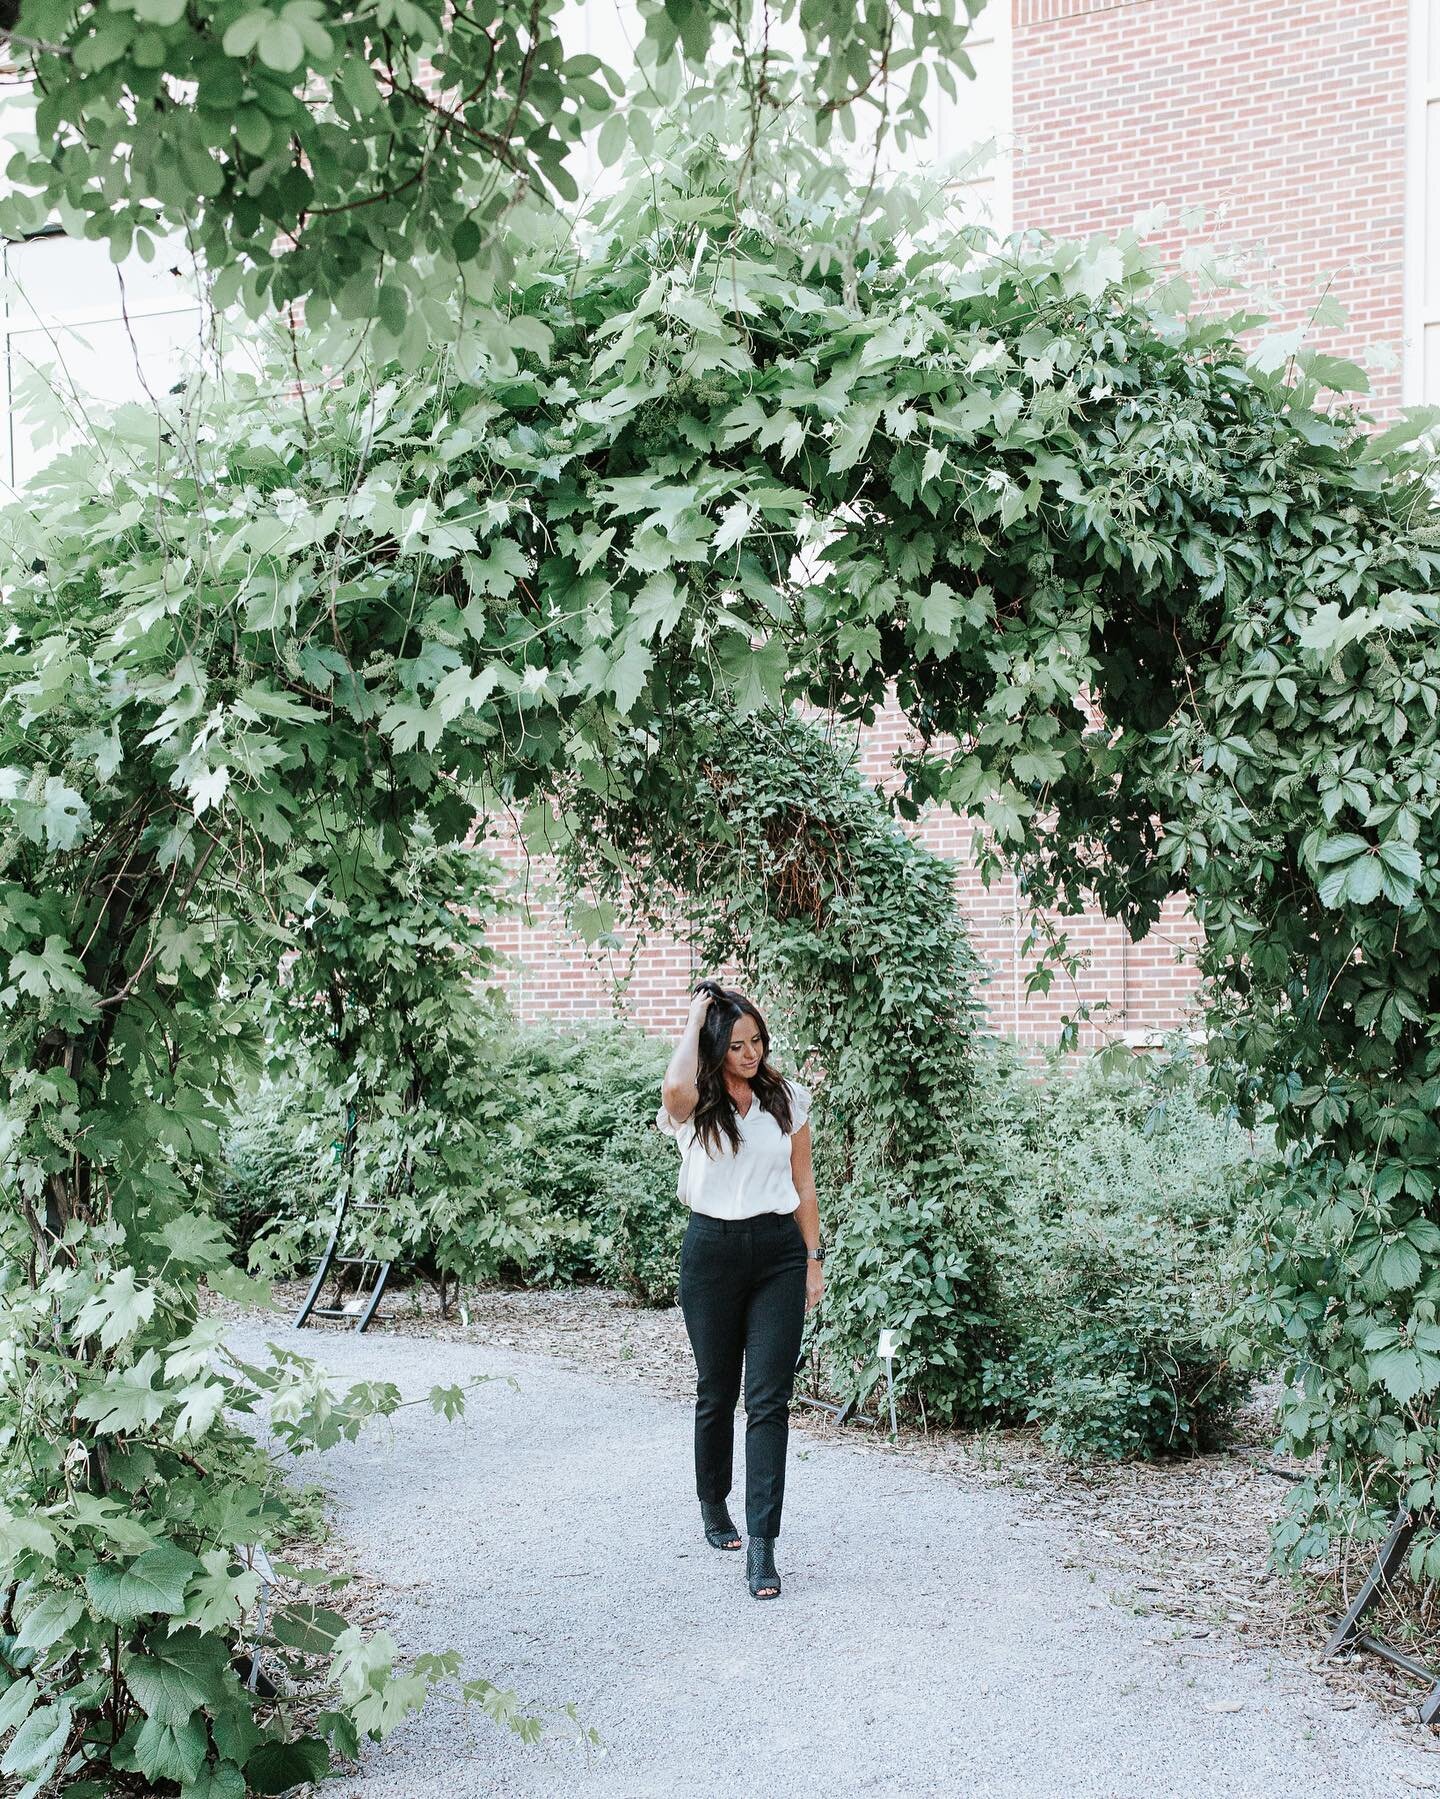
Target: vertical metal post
886,1352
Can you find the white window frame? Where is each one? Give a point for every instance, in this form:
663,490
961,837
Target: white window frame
1421,312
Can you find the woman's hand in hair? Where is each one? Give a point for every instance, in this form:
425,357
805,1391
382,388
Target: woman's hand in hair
678,1092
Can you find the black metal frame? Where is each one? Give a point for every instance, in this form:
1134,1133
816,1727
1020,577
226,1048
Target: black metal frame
309,1309
839,1414
345,1157
1347,1634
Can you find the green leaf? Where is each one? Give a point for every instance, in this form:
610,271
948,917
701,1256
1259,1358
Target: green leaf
18,1535
735,523
857,426
169,1752
111,1523
497,571
154,1582
55,969
280,46
936,612
392,306
217,1780
50,1619
1362,882
177,1675
194,1240
659,603
244,34
128,1399
16,1703
1400,1371
466,240
311,1629
217,1597
1341,849
627,673
276,1767
1403,858
1400,1265
1414,422
62,815
756,676
200,1405
117,1311
35,1749
610,146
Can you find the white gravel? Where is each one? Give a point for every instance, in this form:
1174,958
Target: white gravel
928,1640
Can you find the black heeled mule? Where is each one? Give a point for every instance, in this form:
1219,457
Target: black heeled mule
760,1568
720,1532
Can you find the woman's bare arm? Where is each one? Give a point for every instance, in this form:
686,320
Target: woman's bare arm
679,1092
802,1173
807,1213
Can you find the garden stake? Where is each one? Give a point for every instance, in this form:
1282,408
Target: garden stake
255,1558
887,1352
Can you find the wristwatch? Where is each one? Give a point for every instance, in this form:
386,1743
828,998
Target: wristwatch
816,1255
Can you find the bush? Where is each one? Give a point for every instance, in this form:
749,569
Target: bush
899,1260
640,1220
1120,1260
569,1187
585,1096
277,1167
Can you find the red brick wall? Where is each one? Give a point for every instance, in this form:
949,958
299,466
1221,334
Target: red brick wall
1143,986
1285,121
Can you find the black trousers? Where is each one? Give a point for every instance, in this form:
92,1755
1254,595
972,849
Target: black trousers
742,1290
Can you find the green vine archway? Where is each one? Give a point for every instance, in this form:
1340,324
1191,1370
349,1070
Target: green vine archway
851,931
720,476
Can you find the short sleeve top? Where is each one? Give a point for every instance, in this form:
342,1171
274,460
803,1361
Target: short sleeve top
731,1184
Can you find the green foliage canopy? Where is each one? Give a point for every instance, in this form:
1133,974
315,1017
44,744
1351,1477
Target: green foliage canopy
251,655
383,161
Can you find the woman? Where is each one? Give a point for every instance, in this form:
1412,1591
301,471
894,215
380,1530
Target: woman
750,1262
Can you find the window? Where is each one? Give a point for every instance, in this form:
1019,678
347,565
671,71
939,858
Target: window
95,333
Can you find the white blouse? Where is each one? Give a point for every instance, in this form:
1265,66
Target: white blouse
757,1179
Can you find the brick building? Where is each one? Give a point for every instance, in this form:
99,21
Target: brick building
1297,141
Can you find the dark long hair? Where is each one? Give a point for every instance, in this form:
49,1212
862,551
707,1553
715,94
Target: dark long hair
715,1114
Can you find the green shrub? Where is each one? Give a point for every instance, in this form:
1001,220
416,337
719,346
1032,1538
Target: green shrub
567,1189
905,1261
277,1168
1120,1261
582,1090
640,1220
1134,1371
919,1258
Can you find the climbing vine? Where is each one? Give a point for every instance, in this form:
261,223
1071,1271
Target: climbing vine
850,931
713,473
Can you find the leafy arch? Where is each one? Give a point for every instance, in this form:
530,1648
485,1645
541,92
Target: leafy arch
1162,624
1178,626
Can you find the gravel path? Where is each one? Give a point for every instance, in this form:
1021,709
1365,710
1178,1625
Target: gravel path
928,1640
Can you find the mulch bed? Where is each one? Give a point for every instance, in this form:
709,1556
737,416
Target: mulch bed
1183,1543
